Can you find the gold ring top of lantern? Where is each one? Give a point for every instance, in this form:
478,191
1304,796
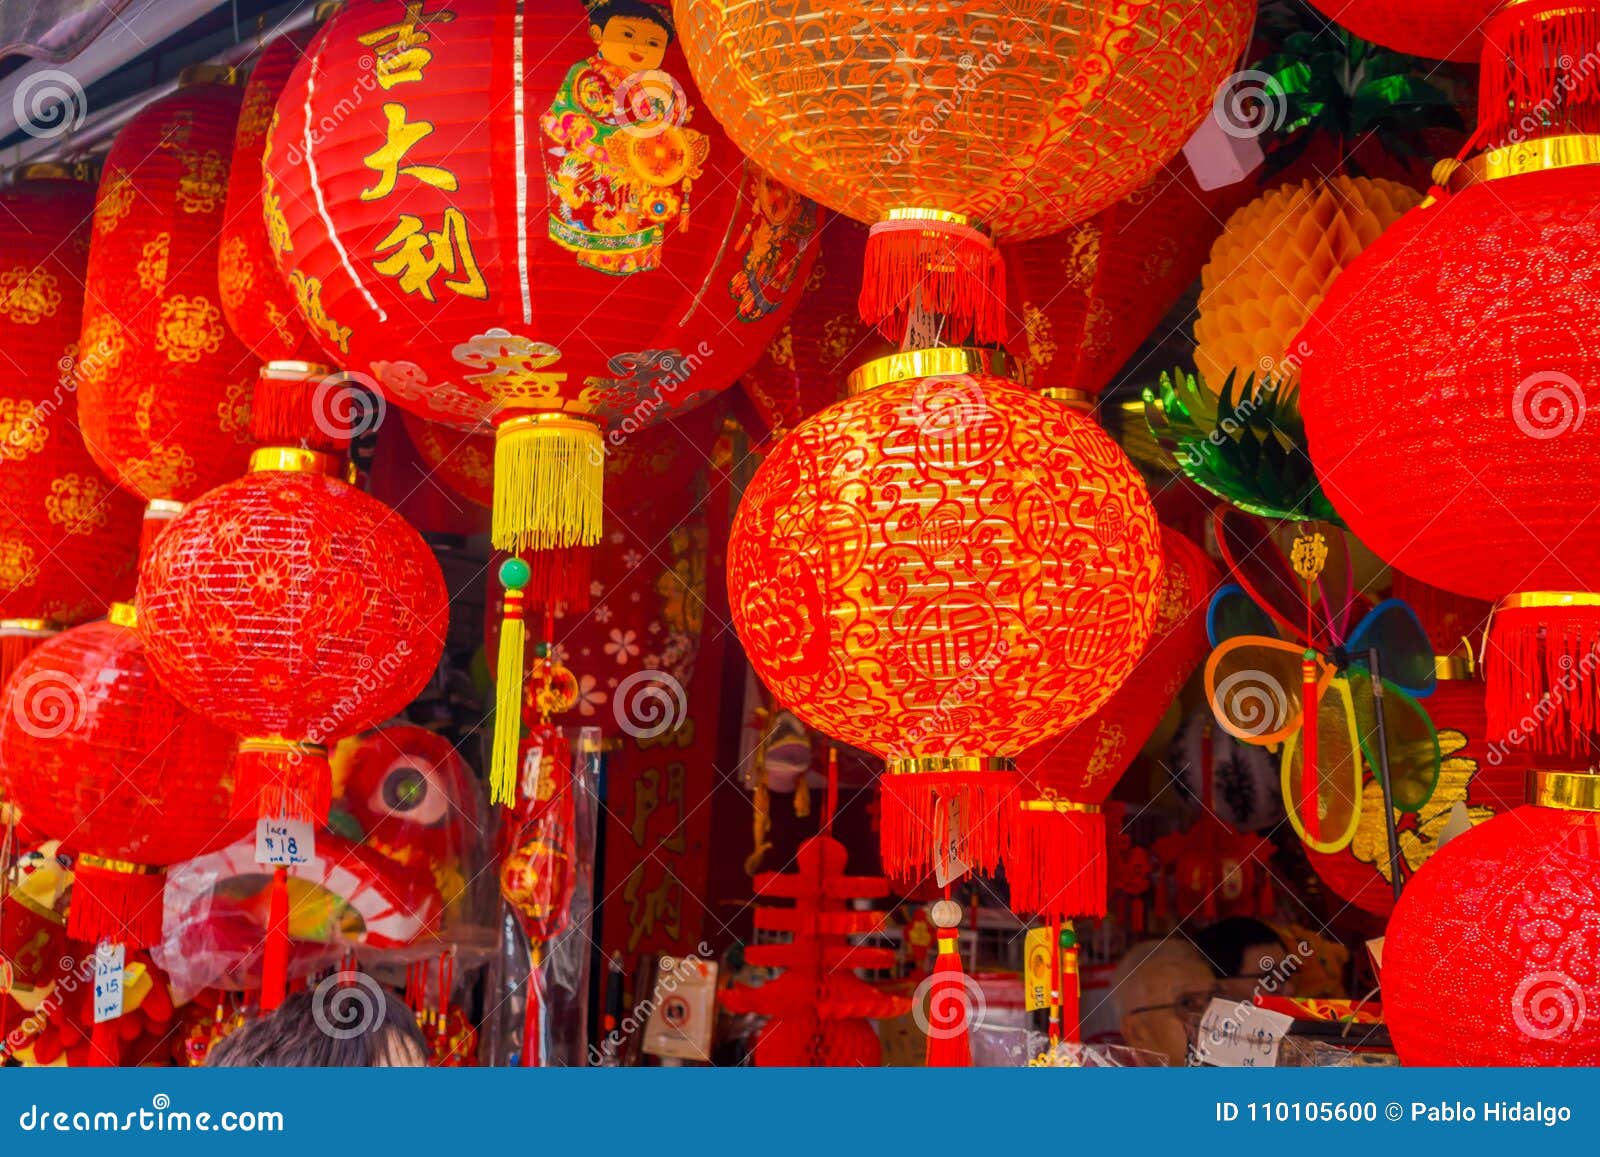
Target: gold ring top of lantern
939,361
123,615
1062,806
293,460
207,74
163,508
1573,791
1067,396
285,370
1533,600
1453,668
277,744
27,627
943,216
126,867
553,420
935,764
1564,151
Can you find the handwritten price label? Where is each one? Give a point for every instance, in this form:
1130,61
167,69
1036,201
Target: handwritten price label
285,843
109,962
1236,1034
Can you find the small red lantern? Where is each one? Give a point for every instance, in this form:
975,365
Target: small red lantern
98,755
943,570
1437,29
67,538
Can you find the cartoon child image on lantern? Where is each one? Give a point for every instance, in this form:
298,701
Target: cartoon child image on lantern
626,160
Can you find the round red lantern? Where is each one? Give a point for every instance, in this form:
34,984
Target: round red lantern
1492,956
292,609
98,755
163,385
67,538
1057,860
944,569
532,196
1438,29
949,126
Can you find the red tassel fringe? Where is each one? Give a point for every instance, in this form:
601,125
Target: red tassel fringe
123,907
1543,675
935,267
1539,78
559,578
150,530
293,785
13,649
105,1044
284,411
949,1015
1056,863
916,813
275,954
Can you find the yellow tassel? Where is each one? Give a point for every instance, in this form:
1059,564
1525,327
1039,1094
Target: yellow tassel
549,469
514,575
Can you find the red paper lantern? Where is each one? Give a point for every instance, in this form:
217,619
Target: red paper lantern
943,125
292,609
1057,862
67,538
164,386
1438,29
944,569
532,196
98,755
1492,956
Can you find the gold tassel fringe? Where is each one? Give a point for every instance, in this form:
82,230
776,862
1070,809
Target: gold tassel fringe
549,470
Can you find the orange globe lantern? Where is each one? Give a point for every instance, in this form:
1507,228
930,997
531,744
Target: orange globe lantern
163,384
67,538
947,127
944,569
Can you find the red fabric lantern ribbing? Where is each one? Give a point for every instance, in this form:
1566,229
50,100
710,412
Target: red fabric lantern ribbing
292,609
944,569
98,755
1437,29
67,537
1056,865
533,196
257,302
947,127
163,384
1492,956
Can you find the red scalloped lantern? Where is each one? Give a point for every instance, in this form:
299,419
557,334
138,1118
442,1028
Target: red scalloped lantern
1492,956
164,386
946,125
1437,29
944,569
531,196
293,609
1057,862
67,538
98,755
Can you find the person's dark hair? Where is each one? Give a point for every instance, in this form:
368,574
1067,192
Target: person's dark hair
332,1026
601,11
1224,944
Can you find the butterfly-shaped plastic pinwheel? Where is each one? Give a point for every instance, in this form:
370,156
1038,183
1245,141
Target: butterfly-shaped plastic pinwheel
1273,645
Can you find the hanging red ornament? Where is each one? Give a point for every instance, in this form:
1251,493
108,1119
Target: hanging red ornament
292,609
1056,865
1437,29
67,538
1492,956
943,570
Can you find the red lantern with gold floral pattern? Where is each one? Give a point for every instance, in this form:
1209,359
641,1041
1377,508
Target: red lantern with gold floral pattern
67,537
98,755
163,384
292,609
944,569
947,127
1057,862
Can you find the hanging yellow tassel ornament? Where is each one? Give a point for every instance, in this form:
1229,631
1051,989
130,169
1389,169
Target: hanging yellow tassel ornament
514,575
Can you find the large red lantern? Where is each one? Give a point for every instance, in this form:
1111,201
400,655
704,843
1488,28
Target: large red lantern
1438,29
67,538
944,569
163,384
99,756
533,197
292,609
948,127
1057,862
1492,956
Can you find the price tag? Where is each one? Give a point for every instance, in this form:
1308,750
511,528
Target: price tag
1036,979
109,960
947,866
1235,1034
285,843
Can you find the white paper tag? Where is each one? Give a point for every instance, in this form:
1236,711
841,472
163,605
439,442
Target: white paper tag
1219,157
1235,1034
285,843
109,961
947,866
